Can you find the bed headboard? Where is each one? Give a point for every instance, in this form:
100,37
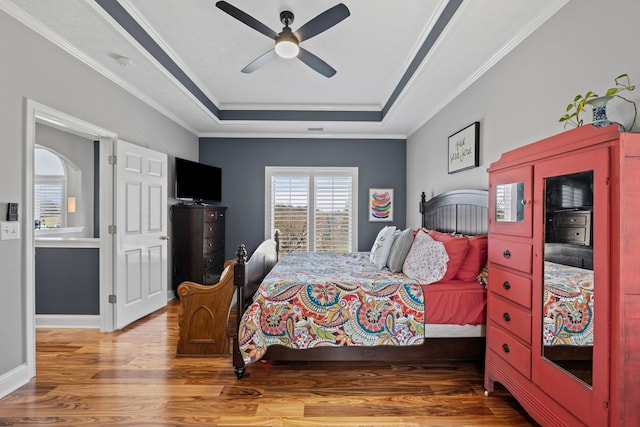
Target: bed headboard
460,211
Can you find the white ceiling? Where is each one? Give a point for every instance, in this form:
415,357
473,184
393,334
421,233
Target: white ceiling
376,85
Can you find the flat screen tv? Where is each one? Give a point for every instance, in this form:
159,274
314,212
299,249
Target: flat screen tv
198,182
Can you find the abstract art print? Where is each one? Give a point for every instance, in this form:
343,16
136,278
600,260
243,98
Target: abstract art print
381,204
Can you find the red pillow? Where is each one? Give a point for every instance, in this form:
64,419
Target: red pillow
474,260
417,230
456,247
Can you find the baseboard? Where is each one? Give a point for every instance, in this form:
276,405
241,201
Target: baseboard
14,379
67,321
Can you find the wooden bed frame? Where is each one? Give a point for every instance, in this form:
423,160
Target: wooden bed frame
462,211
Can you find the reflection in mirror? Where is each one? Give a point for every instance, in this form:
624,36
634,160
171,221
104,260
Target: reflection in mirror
510,202
568,295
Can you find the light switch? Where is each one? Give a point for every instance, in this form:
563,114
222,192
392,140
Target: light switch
9,230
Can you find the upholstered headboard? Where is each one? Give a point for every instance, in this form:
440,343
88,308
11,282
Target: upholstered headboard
460,211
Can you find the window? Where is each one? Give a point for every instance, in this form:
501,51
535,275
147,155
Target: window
314,209
49,190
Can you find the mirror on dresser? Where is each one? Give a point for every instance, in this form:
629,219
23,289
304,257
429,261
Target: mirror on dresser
568,292
510,202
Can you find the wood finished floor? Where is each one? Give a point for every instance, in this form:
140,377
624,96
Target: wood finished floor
132,378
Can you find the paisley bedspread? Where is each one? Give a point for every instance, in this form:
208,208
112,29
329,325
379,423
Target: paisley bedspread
568,305
316,299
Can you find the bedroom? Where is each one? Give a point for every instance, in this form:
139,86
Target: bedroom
518,101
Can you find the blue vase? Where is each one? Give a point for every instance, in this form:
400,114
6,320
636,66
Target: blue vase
599,107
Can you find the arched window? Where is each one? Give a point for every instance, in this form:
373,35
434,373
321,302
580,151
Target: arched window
50,189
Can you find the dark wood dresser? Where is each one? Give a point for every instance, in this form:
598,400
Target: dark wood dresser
571,226
198,243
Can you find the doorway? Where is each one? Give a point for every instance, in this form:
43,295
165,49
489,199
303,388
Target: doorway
42,114
108,243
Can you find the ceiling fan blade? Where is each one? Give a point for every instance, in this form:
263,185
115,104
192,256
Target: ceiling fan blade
316,63
260,61
246,19
322,22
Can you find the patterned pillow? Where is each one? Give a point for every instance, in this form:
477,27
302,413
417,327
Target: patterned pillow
382,246
399,250
427,260
483,277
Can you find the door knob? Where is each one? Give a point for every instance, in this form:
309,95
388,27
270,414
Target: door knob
164,237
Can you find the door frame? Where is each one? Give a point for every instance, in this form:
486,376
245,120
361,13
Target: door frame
40,113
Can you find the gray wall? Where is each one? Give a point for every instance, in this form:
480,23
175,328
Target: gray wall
35,68
380,162
583,47
68,281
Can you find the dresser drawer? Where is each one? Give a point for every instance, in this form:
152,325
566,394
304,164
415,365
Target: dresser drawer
577,219
507,347
211,230
213,215
509,285
211,245
515,255
512,318
576,235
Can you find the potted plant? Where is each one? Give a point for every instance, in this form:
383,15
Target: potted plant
598,104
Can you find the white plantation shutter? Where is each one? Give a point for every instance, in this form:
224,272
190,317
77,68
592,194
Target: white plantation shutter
503,203
313,209
48,197
333,209
290,211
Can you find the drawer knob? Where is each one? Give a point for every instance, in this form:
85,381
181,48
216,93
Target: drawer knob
505,348
506,317
524,202
506,254
506,285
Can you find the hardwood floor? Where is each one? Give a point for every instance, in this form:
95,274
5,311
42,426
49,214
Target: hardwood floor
132,378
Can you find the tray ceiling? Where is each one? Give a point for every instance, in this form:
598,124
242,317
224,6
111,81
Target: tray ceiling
397,63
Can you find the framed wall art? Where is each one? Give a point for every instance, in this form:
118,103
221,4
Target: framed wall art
464,148
381,204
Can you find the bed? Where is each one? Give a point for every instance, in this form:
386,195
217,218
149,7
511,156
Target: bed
568,305
567,320
372,315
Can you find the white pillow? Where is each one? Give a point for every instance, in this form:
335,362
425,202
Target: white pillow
427,260
382,246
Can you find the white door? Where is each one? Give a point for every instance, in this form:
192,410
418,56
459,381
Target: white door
141,232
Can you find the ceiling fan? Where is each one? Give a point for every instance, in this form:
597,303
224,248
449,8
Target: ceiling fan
287,43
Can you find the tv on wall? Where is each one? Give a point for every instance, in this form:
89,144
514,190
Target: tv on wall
198,182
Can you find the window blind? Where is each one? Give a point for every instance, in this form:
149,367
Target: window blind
290,212
333,196
48,203
313,209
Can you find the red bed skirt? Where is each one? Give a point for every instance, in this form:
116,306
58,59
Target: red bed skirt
455,302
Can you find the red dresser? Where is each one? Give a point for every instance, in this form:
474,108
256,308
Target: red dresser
563,331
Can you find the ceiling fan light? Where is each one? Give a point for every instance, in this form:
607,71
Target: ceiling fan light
287,49
287,44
